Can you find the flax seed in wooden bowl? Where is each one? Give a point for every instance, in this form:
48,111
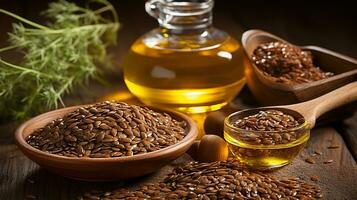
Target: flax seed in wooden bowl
96,164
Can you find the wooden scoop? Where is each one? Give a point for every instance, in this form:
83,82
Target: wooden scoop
270,92
313,109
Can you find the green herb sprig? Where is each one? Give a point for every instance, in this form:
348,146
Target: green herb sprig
56,57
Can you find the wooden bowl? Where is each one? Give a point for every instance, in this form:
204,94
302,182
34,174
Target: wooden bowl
269,92
102,169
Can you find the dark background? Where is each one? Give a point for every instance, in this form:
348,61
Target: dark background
332,25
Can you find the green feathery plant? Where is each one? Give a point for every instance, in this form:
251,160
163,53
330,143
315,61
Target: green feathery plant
56,56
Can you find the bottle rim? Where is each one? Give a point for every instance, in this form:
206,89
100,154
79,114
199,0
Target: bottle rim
173,14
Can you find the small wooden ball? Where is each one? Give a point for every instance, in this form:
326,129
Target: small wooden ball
212,148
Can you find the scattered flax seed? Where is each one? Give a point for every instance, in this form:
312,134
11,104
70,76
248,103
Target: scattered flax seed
318,152
310,160
333,146
314,178
216,180
328,161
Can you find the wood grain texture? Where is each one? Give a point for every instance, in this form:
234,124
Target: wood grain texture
336,178
348,129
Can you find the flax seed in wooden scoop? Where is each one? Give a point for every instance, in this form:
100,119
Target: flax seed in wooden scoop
270,91
270,137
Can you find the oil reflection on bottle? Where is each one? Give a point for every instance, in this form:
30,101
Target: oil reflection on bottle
185,64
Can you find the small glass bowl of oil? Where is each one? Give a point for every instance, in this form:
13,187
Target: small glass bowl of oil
261,156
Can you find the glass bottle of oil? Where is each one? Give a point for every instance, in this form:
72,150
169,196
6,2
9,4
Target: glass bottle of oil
186,63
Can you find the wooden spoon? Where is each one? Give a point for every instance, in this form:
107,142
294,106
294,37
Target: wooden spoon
307,112
313,109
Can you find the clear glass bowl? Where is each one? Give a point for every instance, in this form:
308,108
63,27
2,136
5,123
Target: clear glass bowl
264,157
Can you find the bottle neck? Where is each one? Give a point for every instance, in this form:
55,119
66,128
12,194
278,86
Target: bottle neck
181,17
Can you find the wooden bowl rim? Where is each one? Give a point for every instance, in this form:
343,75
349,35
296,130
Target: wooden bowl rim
192,132
298,87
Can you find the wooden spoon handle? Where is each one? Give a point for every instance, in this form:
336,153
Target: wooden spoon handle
314,108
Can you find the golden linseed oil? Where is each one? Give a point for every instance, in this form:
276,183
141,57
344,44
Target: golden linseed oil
265,157
192,80
186,64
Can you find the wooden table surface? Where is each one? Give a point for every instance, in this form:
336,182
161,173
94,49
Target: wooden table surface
20,178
